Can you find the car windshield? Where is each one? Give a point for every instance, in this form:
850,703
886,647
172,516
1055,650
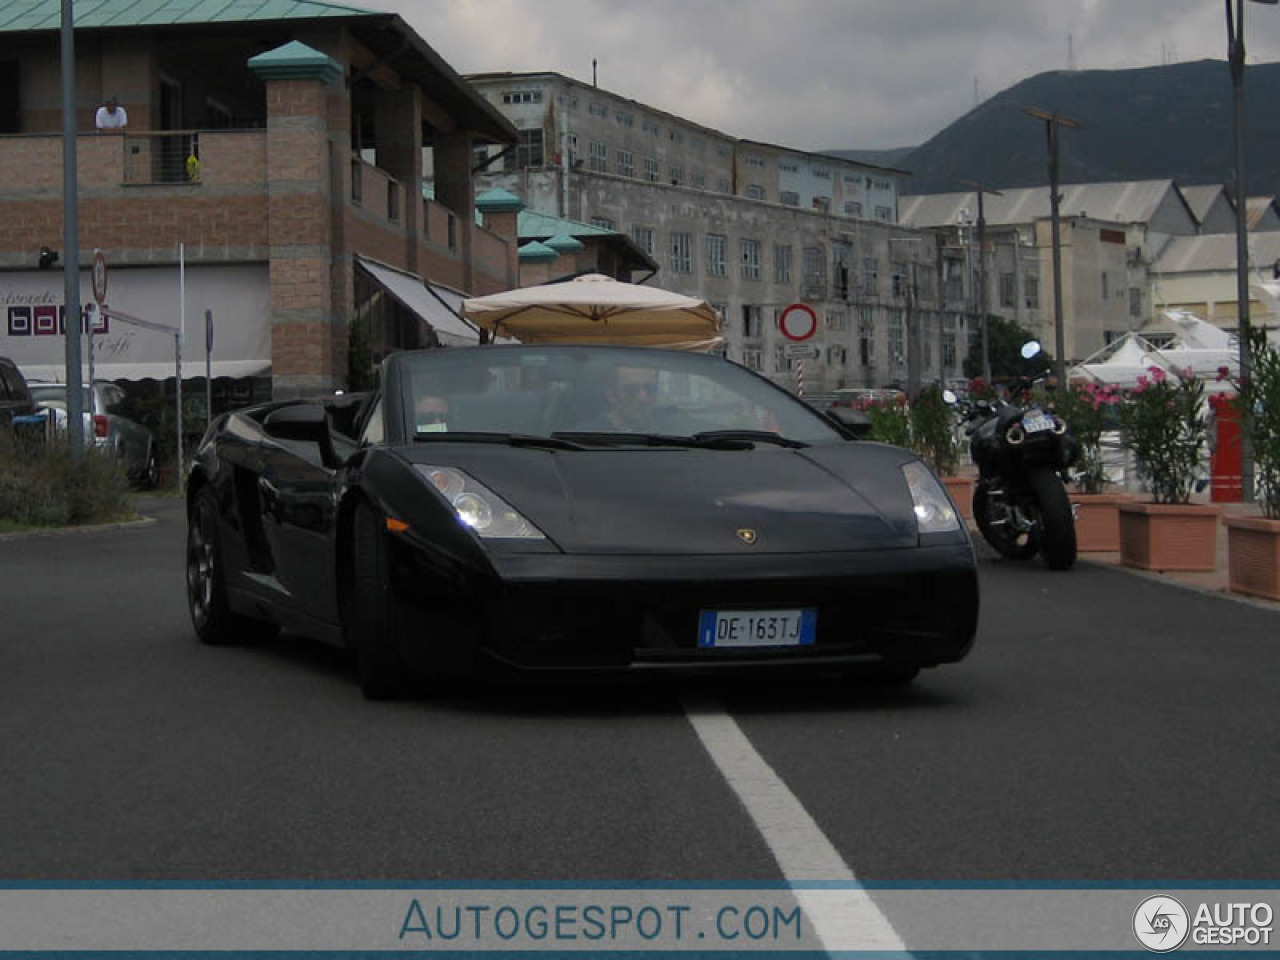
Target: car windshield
597,392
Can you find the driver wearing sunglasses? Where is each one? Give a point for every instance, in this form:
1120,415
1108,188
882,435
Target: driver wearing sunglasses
632,399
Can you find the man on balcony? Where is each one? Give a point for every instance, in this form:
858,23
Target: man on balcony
111,116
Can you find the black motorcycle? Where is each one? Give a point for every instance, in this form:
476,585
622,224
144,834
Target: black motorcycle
1019,502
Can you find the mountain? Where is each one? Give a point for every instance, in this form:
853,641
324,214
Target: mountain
1153,123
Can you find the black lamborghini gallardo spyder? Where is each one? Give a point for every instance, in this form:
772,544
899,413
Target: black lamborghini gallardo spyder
574,508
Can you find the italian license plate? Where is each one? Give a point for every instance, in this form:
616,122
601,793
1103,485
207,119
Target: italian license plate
757,628
1036,423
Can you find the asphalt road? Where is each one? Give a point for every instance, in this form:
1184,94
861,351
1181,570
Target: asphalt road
1107,727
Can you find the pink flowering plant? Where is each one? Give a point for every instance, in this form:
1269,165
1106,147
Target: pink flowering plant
1089,409
1163,424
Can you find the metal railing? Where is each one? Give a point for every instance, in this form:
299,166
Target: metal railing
168,157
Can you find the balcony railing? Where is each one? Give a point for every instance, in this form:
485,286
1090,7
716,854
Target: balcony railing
172,156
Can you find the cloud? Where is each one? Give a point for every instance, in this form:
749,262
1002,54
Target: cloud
824,73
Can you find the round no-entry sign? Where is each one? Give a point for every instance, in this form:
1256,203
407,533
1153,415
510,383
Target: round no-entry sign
798,322
100,277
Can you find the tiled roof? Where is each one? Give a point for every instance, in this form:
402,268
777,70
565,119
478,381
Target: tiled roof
1133,202
30,15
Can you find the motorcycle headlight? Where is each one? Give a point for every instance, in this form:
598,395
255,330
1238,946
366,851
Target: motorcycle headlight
933,509
479,507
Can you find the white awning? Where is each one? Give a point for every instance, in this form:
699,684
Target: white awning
432,305
56,373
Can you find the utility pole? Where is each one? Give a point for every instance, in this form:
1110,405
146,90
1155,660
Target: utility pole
983,304
1052,121
71,238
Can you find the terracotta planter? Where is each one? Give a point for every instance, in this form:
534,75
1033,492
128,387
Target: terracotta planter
1253,556
1098,521
1168,536
961,491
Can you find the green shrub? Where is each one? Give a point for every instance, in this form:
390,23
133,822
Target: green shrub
42,486
890,423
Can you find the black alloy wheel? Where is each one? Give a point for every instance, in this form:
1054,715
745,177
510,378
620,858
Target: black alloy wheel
211,615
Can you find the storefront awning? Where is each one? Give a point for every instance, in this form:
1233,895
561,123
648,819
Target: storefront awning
432,305
56,373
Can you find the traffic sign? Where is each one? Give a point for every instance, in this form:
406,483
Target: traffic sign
799,351
100,277
798,322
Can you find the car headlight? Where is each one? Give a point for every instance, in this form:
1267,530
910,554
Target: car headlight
479,507
934,512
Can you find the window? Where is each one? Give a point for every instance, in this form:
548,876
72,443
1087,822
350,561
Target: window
948,343
781,263
897,350
649,127
676,136
1008,289
626,164
603,223
682,252
923,279
568,100
753,360
393,201
698,144
698,179
723,185
898,271
357,191
1032,287
753,160
751,259
528,152
715,255
722,149
866,337
1104,285
788,167
837,356
822,173
815,280
677,174
643,236
597,109
624,119
837,320
870,276
599,156
790,198
753,191
522,96
841,255
853,208
884,214
751,327
822,204
1135,301
651,169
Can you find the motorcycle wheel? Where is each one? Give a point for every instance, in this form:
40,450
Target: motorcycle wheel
1005,544
1057,526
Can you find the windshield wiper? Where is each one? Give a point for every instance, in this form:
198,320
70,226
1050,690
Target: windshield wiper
509,439
750,436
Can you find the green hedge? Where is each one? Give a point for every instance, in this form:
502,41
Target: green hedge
42,486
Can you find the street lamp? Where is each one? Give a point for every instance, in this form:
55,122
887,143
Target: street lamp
1052,121
1235,57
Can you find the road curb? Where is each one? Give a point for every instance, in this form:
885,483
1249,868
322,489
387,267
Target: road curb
82,529
1157,577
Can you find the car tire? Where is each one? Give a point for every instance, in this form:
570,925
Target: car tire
1057,525
372,622
150,475
211,615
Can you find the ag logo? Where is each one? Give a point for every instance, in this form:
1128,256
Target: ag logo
747,535
1161,924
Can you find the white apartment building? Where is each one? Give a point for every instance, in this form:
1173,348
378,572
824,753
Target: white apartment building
752,227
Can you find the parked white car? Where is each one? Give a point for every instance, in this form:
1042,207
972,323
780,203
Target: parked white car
105,427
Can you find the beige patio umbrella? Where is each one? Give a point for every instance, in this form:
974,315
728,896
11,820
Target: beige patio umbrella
598,309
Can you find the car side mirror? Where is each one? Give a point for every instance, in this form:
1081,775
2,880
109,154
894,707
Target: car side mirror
305,423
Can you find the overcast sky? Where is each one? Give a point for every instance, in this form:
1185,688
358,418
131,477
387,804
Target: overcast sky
816,74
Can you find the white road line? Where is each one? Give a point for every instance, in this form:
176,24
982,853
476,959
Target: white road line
844,919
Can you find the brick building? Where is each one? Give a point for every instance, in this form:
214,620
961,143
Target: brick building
282,148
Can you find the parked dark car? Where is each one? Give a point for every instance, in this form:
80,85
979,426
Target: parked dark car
506,506
15,395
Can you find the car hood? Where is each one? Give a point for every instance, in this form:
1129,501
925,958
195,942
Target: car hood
841,497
